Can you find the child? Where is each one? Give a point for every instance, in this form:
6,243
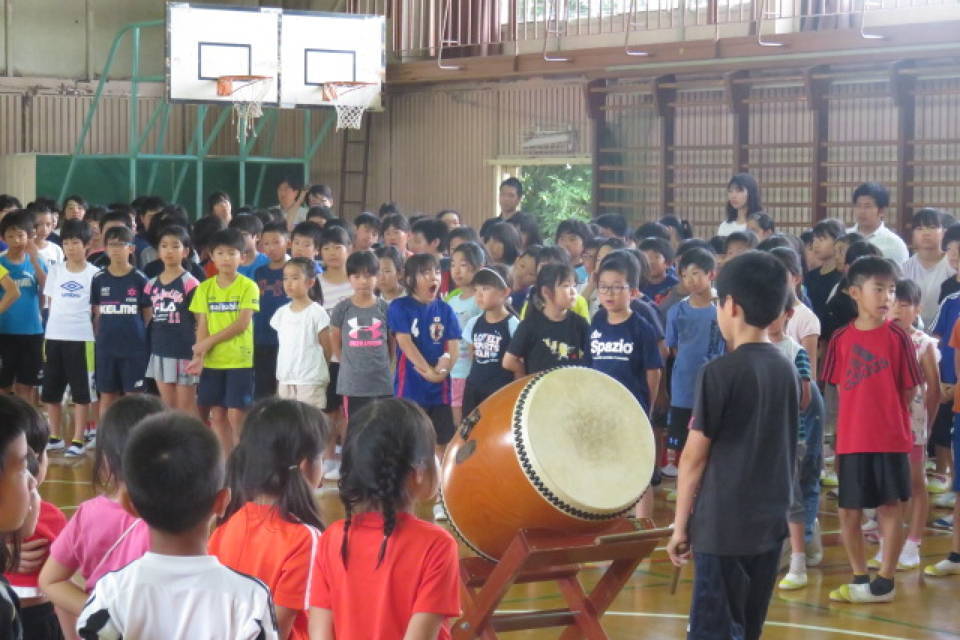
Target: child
559,255
368,232
173,328
488,336
70,341
174,481
100,537
335,246
694,338
874,365
951,248
661,277
503,243
269,278
551,335
737,243
43,226
395,230
430,236
461,234
121,311
224,306
41,527
364,586
304,338
21,328
18,493
388,281
524,276
271,526
427,335
573,235
820,282
359,336
451,218
740,456
250,228
305,242
929,267
464,262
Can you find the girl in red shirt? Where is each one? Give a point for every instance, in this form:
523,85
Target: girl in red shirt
271,528
382,572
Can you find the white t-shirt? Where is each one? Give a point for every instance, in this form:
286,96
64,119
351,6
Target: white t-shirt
726,228
803,323
890,244
300,358
69,295
918,406
334,293
929,281
160,597
51,254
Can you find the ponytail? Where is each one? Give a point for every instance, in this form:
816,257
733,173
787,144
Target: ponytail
309,271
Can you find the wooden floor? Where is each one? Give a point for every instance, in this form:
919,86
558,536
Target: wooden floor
924,608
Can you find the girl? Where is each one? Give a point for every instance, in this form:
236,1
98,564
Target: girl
383,573
173,329
101,536
488,337
427,335
550,335
302,327
462,234
762,225
396,231
449,217
271,527
743,198
391,266
18,497
74,208
503,243
524,275
464,262
219,206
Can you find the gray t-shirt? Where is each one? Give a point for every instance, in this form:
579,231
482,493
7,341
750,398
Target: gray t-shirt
364,349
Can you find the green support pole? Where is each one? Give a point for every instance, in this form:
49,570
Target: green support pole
134,125
161,138
271,137
193,150
307,127
321,136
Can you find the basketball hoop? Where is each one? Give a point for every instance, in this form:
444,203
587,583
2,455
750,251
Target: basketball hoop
350,99
249,92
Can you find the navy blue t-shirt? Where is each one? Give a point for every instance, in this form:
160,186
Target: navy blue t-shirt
272,297
658,291
173,328
430,326
625,352
120,300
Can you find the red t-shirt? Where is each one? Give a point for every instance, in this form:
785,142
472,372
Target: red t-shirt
871,370
419,574
258,542
49,525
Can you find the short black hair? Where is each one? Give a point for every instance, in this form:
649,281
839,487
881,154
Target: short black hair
651,230
747,237
613,221
789,258
623,262
829,228
952,234
387,208
528,227
764,220
682,227
20,219
395,220
850,238
859,249
776,241
513,182
308,229
367,219
37,430
575,227
414,266
203,230
465,233
247,223
7,202
928,217
116,215
613,243
718,244
335,234
659,245
320,212
173,471
694,243
275,227
875,190
123,234
757,282
698,257
216,198
432,230
554,254
76,230
231,238
444,212
393,255
866,267
174,231
363,263
320,190
908,291
294,182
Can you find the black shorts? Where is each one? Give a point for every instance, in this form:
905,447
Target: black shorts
678,427
68,362
229,388
40,622
120,374
334,400
942,425
870,480
473,396
442,418
21,359
265,370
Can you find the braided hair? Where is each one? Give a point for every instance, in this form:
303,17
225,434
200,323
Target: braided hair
387,440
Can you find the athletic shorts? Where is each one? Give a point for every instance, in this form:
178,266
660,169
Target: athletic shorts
264,370
334,401
442,418
21,359
457,386
68,362
170,371
229,388
797,512
677,427
942,425
120,374
870,480
315,394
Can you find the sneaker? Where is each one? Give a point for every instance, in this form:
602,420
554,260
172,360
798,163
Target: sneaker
909,559
331,469
75,450
670,471
56,445
671,496
930,466
814,547
942,568
945,523
859,593
829,459
869,526
942,501
439,513
937,485
793,581
90,438
829,479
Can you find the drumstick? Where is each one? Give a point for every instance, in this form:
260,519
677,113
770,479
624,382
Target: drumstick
683,548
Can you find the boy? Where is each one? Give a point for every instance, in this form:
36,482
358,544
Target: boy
429,236
821,282
110,220
737,243
929,267
223,354
693,337
70,340
740,456
43,226
873,364
612,225
662,277
395,230
173,472
573,235
21,328
269,279
305,242
251,228
368,232
121,311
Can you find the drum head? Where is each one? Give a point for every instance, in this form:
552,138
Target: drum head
584,442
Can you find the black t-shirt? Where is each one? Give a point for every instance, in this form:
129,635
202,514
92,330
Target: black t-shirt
490,341
949,287
841,311
819,287
10,624
747,403
543,343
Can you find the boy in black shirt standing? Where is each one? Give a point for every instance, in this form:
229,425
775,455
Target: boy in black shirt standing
736,471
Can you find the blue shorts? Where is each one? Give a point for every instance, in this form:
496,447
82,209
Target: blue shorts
119,374
956,451
230,388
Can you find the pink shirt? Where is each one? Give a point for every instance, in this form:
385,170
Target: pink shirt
100,537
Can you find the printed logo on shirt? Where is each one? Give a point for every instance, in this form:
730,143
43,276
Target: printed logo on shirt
274,288
486,347
436,329
104,291
610,349
71,289
24,282
118,309
132,292
374,337
562,350
863,365
224,306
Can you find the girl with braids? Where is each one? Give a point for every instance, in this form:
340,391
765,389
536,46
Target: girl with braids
271,527
383,573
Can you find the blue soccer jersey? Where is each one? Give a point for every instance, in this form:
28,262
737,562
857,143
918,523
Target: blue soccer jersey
430,326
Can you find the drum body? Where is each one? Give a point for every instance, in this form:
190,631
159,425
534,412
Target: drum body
565,450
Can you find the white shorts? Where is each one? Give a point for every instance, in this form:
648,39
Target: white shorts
315,394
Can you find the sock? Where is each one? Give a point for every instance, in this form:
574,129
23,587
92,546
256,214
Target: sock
861,579
798,562
54,440
910,546
954,557
881,586
77,442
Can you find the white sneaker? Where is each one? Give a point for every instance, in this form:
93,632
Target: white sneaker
439,513
59,445
909,559
945,523
75,450
937,485
859,593
942,501
793,581
829,478
943,568
670,470
331,469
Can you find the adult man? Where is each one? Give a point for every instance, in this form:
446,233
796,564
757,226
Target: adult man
290,196
870,202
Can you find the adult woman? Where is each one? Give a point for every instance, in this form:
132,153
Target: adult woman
743,198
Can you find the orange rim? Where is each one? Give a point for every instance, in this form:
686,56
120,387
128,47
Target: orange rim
225,83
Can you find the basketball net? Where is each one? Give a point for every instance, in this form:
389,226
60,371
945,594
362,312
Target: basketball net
351,100
249,93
